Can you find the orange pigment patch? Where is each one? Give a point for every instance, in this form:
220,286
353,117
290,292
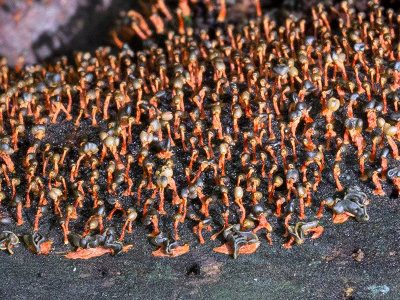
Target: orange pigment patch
180,250
245,249
93,252
45,247
317,232
341,218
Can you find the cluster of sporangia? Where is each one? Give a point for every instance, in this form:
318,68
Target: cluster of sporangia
224,129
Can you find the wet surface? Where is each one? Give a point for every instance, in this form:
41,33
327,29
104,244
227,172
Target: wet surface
325,268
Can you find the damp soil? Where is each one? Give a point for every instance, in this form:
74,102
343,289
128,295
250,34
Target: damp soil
320,269
349,261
